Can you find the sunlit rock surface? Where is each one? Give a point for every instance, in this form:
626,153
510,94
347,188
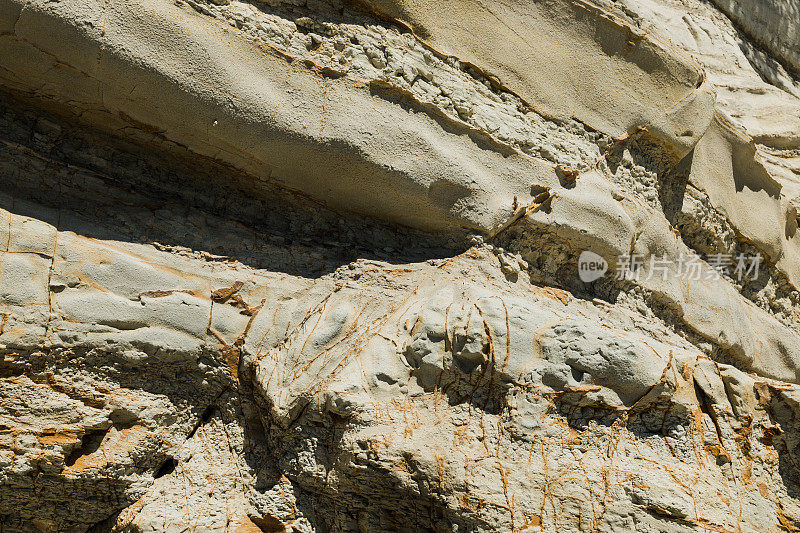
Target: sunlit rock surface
315,266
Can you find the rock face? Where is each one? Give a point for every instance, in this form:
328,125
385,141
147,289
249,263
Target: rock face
771,24
311,265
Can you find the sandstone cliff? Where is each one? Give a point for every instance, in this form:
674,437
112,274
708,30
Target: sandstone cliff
318,265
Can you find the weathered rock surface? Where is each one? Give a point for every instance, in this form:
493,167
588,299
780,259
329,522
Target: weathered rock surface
771,24
313,265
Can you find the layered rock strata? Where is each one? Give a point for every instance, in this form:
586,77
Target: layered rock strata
314,266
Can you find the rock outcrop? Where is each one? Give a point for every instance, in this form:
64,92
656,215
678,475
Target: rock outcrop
770,24
313,265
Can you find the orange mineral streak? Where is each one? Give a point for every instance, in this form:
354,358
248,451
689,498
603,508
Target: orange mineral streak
124,442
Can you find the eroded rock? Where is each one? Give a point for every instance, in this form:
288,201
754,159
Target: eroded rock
313,266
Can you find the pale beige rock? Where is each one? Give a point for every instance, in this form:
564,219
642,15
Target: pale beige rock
771,23
295,113
619,81
193,339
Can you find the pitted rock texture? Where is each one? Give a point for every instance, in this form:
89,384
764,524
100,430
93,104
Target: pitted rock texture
312,266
